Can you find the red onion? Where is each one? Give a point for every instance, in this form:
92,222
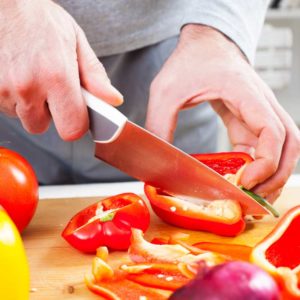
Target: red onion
234,280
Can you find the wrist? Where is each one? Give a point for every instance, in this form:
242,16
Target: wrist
209,36
199,30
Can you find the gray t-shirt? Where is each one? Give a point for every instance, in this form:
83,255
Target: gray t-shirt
118,26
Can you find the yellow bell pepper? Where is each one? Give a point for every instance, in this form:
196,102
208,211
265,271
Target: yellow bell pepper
14,270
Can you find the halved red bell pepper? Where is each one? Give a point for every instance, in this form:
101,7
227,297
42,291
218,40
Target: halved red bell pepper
107,223
279,254
223,217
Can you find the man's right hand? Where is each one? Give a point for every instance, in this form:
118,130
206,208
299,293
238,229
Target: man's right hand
45,58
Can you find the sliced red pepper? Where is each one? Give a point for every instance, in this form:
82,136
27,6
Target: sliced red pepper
155,270
235,251
160,240
141,251
107,223
123,289
162,276
279,253
223,217
125,284
193,216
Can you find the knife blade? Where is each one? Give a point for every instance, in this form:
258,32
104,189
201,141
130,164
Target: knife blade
146,157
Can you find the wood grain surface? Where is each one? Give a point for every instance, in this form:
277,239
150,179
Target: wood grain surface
57,270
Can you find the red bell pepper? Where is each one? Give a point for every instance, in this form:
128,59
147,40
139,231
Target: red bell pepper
223,217
231,165
225,162
107,223
279,254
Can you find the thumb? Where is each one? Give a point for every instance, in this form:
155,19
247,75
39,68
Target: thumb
93,76
161,118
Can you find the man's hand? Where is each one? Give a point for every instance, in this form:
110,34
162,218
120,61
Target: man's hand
206,66
44,58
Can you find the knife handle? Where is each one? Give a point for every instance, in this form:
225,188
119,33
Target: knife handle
106,122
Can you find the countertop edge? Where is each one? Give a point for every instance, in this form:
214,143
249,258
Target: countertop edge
109,189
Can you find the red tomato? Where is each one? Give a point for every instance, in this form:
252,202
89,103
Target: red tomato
18,186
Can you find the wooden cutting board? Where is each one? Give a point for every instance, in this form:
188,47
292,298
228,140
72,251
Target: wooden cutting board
57,270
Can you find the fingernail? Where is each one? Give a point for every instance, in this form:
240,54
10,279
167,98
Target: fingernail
119,97
251,185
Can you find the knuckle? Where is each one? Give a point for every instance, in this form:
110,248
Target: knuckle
271,165
95,66
281,180
57,77
23,88
279,132
4,92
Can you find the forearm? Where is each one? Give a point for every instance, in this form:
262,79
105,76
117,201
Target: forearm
241,21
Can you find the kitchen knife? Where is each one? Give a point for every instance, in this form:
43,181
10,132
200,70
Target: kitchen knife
148,158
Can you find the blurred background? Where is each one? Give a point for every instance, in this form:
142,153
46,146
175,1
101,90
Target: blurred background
278,59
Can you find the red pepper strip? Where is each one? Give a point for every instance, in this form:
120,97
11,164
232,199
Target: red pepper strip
141,251
224,162
279,254
192,216
160,240
223,217
163,276
236,252
122,289
171,282
107,223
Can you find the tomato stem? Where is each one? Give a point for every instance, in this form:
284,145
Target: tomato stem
262,201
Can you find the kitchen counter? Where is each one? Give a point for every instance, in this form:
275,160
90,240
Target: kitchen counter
57,270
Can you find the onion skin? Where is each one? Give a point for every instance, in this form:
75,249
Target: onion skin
234,280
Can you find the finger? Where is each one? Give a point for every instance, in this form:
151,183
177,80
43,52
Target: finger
161,118
240,137
263,122
30,103
65,101
290,153
92,73
34,115
274,195
8,107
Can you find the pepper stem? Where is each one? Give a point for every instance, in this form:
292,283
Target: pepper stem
262,201
107,217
